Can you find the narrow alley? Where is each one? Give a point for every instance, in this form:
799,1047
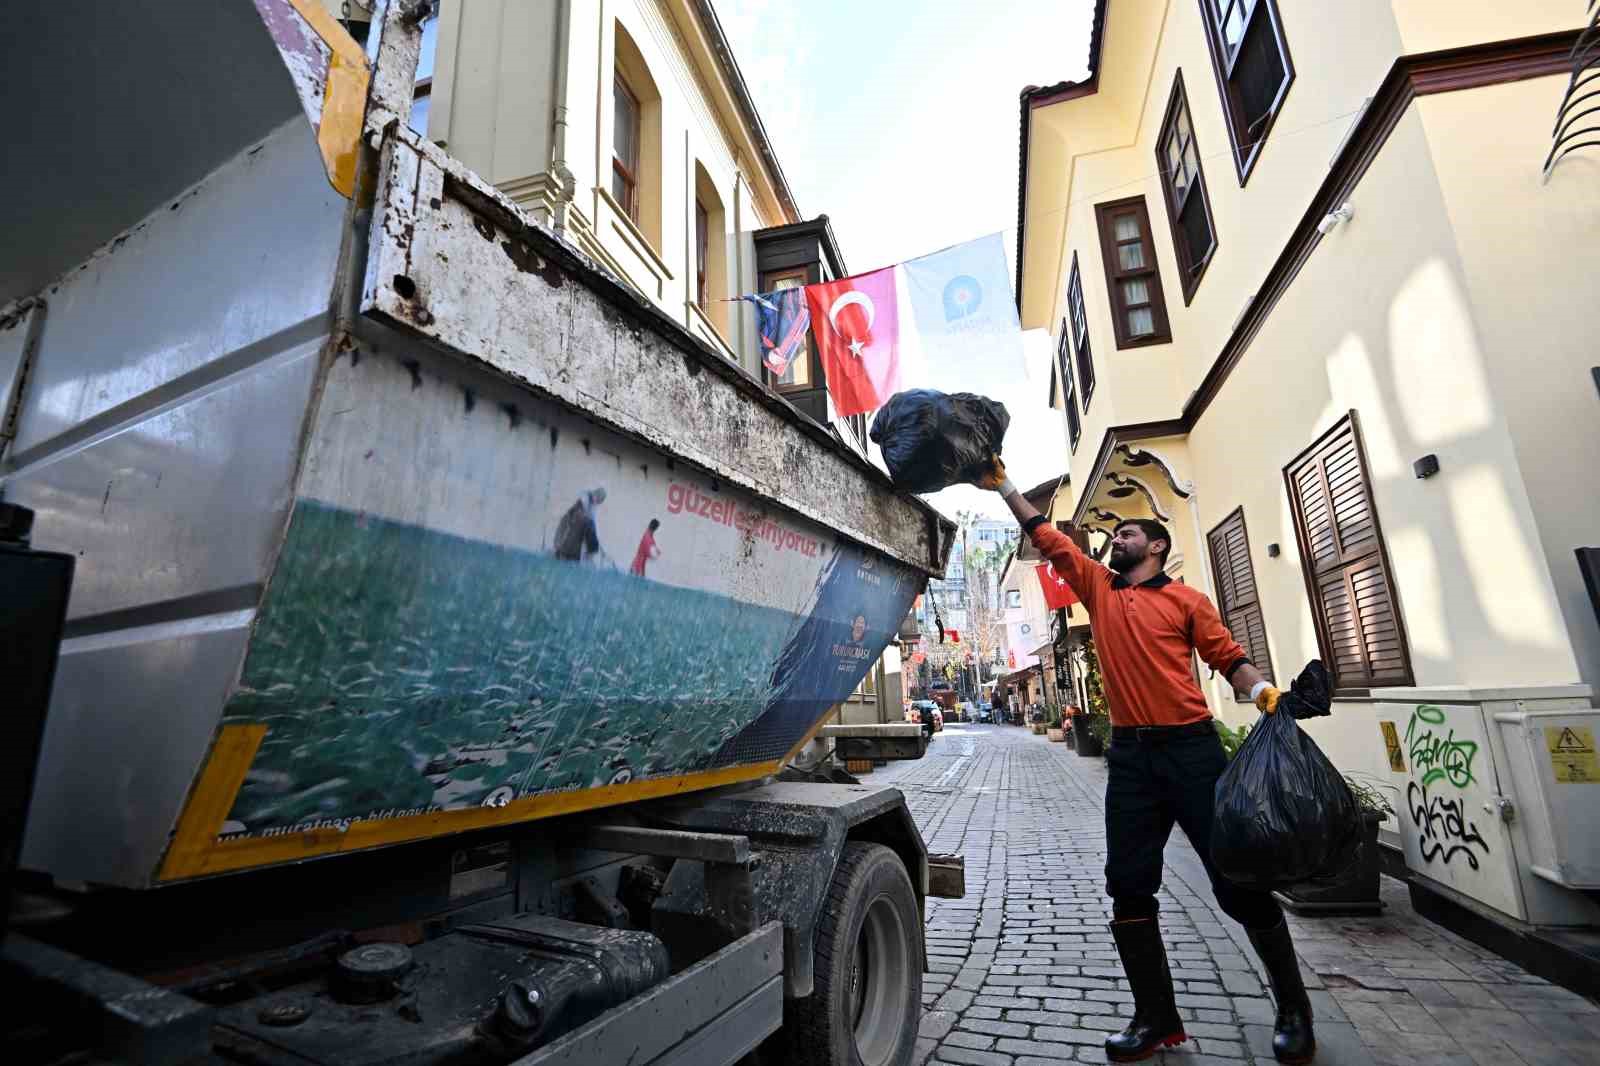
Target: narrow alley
1023,971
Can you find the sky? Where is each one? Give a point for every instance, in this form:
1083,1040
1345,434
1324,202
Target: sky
898,120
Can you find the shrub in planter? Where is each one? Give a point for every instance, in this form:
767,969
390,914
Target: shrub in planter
1231,738
1056,734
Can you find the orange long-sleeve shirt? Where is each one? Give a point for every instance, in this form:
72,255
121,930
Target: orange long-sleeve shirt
1143,634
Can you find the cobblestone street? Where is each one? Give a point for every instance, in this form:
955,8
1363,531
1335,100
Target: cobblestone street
1023,971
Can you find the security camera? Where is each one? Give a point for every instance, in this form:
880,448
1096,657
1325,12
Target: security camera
1343,213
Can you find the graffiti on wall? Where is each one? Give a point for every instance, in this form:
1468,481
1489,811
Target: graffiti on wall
1435,752
1444,763
1444,831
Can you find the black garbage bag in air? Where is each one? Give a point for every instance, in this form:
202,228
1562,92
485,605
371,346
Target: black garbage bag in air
1284,814
932,440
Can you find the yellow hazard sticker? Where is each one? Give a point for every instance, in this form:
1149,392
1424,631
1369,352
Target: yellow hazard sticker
1391,741
1572,754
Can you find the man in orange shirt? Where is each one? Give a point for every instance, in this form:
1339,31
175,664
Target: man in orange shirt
1164,761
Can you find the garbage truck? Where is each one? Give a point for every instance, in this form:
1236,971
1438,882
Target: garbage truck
347,740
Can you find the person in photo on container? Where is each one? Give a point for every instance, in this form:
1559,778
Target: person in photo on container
578,535
647,549
1164,762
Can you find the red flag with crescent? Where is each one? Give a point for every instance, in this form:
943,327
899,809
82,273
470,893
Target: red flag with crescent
1057,593
856,322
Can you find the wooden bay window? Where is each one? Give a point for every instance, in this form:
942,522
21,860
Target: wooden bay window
1082,353
1069,394
1138,307
1183,184
1253,69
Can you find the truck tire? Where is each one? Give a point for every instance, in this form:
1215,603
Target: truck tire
867,999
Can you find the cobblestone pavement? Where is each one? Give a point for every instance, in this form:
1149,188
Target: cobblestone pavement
1023,971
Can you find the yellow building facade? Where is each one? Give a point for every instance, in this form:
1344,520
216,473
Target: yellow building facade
625,126
1316,309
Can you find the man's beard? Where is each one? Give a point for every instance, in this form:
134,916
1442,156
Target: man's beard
1122,562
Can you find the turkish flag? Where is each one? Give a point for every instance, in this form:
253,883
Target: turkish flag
953,636
1057,593
856,322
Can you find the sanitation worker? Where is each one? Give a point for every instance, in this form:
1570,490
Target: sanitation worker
1164,761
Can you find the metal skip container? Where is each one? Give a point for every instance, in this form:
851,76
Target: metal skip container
394,516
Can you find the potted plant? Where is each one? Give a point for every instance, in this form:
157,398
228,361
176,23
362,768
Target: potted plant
1096,735
1231,738
1091,729
1054,731
1357,891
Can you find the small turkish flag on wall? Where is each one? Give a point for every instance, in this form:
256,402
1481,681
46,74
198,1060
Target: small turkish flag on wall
1057,593
856,322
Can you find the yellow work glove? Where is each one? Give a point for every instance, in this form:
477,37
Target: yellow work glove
993,476
1267,700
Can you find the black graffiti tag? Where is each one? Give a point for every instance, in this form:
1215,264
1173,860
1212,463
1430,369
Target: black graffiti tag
1443,826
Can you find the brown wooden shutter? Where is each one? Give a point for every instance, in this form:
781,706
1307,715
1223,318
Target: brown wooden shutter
1347,574
1237,599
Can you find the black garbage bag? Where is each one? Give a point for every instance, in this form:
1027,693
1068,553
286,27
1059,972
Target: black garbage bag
932,440
1310,695
1284,815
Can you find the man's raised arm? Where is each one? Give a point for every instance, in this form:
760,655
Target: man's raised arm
1076,568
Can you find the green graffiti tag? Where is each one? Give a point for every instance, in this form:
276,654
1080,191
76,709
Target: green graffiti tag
1436,752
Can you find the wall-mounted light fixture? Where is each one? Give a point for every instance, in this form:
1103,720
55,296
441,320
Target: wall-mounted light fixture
1427,466
1273,551
1343,213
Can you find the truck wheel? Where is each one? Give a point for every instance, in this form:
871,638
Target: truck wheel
867,999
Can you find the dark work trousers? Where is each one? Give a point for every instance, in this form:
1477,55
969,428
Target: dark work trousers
1153,784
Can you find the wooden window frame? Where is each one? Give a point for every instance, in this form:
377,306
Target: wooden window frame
813,362
1227,606
1105,219
628,170
1078,318
422,90
1069,391
702,250
1189,272
1380,551
1223,62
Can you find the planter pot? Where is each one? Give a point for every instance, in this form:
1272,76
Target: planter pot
1355,893
1086,743
1038,728
1057,735
1070,734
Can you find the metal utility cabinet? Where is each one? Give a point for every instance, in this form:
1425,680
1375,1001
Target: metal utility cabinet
1497,793
367,742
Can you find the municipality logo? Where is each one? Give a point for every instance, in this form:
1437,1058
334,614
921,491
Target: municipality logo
962,297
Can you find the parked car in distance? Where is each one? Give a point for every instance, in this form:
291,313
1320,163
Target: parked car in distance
928,714
986,713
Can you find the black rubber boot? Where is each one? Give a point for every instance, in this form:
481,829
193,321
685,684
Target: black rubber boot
1155,1023
1292,1038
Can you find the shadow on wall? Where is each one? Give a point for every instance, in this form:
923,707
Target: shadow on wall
1478,605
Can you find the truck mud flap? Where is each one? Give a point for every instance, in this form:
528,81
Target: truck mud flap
714,1012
